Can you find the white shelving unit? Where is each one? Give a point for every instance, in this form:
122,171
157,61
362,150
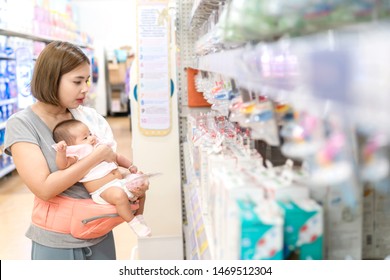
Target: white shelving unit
39,38
7,169
230,64
198,228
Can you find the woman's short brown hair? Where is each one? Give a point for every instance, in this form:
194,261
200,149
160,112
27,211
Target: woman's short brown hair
56,59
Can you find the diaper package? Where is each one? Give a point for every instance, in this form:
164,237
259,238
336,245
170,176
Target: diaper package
261,230
303,229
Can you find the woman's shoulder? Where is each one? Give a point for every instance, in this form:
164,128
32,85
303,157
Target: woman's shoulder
23,115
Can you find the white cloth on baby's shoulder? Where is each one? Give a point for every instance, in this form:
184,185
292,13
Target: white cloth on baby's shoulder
96,123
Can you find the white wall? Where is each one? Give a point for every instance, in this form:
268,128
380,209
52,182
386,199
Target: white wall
111,23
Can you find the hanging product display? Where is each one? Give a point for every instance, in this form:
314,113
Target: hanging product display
310,79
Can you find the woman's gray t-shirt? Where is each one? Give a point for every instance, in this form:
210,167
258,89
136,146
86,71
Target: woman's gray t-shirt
26,126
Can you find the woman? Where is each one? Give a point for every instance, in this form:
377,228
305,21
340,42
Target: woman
60,83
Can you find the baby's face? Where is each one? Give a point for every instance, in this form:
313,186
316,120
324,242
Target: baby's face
82,135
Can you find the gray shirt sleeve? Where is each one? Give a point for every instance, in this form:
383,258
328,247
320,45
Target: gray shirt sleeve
26,126
18,131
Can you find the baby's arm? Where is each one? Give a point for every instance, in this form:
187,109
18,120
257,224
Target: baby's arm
62,160
126,163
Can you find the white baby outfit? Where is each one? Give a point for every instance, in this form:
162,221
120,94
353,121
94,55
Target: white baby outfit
82,150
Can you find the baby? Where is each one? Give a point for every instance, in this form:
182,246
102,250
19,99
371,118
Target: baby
104,182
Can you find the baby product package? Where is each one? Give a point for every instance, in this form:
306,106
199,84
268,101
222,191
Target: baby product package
204,176
281,183
303,229
226,214
220,180
376,220
333,183
374,157
261,230
343,224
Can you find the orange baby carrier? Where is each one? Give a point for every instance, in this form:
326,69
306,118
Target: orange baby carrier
82,218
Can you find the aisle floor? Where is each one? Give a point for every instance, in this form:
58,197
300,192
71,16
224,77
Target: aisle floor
16,204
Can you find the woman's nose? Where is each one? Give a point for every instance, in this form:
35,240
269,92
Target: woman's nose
85,88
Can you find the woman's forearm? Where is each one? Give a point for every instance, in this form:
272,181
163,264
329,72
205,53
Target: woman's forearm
61,161
63,179
35,173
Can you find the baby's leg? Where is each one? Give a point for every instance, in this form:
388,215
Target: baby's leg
119,198
116,196
140,210
139,213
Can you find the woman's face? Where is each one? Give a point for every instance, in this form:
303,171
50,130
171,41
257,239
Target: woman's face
74,86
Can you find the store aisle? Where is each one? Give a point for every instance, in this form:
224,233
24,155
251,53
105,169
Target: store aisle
16,203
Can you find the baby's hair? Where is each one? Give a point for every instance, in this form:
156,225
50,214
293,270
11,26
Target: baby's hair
61,131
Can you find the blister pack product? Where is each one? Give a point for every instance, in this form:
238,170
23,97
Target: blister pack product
303,136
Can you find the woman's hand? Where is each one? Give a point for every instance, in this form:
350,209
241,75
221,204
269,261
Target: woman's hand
106,153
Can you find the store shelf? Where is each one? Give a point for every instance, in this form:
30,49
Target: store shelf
8,101
199,232
245,66
224,63
201,10
4,57
45,39
7,169
199,245
185,111
330,74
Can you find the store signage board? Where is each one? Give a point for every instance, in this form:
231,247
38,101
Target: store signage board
153,81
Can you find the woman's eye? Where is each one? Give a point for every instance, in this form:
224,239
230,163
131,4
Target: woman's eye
77,83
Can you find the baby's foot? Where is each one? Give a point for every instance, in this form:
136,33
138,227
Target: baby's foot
141,229
141,218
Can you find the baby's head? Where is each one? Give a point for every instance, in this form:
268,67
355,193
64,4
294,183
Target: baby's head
73,132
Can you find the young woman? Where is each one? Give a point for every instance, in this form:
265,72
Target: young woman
59,84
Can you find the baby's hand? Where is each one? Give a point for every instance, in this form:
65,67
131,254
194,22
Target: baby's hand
135,184
61,146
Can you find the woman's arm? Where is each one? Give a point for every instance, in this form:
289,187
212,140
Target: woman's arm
34,171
